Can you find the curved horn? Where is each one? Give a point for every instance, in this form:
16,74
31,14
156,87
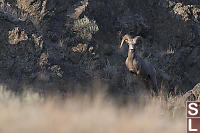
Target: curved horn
137,39
126,37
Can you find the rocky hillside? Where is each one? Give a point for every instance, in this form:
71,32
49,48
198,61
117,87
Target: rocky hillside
58,46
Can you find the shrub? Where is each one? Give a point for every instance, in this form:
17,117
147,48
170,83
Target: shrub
16,36
35,9
84,28
12,14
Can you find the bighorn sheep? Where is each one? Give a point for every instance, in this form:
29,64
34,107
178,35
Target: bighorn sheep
136,64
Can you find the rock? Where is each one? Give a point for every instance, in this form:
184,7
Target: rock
196,90
193,94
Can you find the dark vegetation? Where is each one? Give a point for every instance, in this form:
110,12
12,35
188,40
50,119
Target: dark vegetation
62,46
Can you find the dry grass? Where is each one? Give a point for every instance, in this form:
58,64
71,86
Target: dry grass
16,36
35,10
86,114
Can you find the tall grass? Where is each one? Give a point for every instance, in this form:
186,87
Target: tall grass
98,113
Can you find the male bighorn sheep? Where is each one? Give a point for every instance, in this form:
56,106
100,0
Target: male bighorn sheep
136,64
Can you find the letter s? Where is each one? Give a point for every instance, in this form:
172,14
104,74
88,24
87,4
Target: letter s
193,108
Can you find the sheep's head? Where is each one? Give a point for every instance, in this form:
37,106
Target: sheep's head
85,2
131,41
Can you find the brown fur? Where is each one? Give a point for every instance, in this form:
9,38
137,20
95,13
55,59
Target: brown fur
136,64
